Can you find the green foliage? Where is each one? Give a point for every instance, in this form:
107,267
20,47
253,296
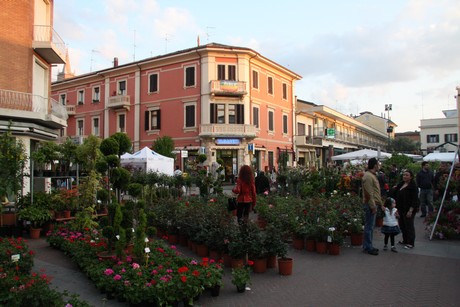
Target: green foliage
88,153
164,146
109,146
12,163
403,144
36,215
124,142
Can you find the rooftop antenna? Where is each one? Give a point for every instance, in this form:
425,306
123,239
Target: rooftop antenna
167,39
134,46
93,51
208,34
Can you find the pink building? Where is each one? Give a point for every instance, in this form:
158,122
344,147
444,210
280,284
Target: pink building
230,103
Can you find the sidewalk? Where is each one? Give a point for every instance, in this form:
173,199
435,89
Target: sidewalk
428,275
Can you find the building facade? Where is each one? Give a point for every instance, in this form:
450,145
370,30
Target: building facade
380,123
322,133
30,46
230,103
439,134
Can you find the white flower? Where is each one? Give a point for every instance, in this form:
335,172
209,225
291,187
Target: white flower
332,229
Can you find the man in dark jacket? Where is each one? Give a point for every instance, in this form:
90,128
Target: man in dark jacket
424,181
262,183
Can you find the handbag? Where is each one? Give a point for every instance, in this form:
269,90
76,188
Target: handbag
231,204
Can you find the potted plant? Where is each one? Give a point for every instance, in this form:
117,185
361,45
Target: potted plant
285,263
241,277
274,245
37,216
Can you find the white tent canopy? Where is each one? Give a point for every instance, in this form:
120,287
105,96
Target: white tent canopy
362,154
440,156
149,161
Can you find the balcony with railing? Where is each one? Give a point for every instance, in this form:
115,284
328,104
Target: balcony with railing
48,44
228,130
228,88
119,101
71,110
32,107
307,140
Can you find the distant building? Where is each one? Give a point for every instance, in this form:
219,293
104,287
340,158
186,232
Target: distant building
412,135
439,134
379,123
30,46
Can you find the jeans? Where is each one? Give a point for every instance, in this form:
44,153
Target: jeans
368,228
426,200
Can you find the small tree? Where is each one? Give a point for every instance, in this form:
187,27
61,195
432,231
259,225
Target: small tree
12,163
164,146
124,142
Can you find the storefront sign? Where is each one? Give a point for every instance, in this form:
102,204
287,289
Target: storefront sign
228,141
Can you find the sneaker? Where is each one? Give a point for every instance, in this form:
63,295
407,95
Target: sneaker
373,252
408,246
385,248
393,249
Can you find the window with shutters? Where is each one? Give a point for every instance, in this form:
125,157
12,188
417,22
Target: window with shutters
285,93
63,99
153,120
190,118
96,126
432,138
153,83
255,116
300,129
190,76
285,124
450,137
270,85
96,94
121,123
226,72
81,97
271,124
80,127
227,113
122,87
255,79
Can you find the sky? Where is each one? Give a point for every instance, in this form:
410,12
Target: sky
353,56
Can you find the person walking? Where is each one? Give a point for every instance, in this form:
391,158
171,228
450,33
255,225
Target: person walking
390,226
246,190
262,183
371,199
407,203
425,179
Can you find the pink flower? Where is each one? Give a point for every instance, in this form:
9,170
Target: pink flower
117,277
136,266
108,272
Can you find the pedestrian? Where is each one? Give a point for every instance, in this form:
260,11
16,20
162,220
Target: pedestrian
390,226
425,180
177,171
262,183
246,190
407,203
371,199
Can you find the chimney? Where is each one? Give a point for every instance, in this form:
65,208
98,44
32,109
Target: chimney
115,62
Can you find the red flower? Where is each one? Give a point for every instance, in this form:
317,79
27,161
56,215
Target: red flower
250,262
182,269
183,278
196,273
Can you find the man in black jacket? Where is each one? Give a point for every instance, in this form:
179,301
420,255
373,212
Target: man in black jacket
262,183
425,180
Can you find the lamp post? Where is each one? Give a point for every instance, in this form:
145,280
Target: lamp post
388,108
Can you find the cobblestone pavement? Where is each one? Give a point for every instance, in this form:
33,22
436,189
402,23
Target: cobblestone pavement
428,275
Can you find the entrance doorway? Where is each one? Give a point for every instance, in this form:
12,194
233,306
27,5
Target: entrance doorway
229,158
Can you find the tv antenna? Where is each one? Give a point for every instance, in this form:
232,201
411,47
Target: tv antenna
167,39
93,51
134,46
208,34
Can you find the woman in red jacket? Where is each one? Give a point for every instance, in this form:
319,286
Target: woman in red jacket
246,190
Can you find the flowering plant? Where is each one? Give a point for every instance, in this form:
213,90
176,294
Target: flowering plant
241,276
15,255
213,272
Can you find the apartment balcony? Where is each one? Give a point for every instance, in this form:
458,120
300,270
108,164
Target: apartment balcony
228,130
32,108
119,101
49,45
307,140
71,109
228,88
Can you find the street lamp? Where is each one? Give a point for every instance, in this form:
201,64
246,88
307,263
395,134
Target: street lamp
388,108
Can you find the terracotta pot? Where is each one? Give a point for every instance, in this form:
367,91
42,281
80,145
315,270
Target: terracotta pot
8,219
35,233
260,265
271,261
215,255
66,214
321,247
173,238
237,263
356,239
334,249
298,243
183,240
227,260
58,215
202,250
285,266
310,245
